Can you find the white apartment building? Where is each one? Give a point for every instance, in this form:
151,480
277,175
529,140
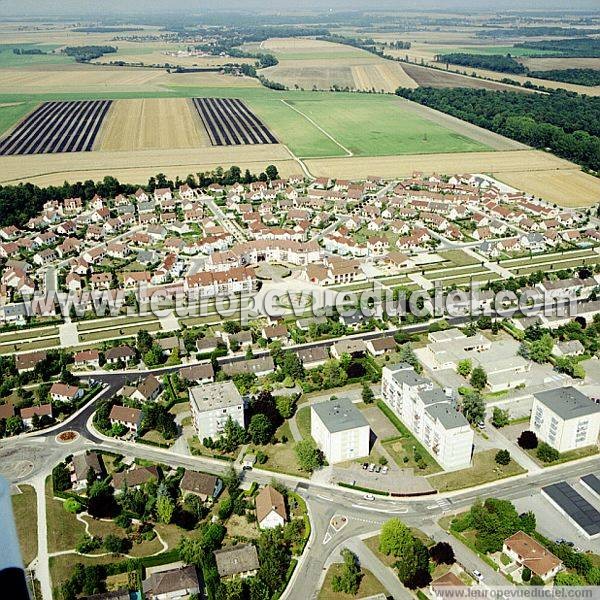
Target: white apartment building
565,418
212,404
340,430
430,415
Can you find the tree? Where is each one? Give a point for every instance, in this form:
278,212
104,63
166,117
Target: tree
547,453
528,440
286,405
274,557
71,505
61,480
272,172
14,425
500,417
367,393
478,378
502,457
165,507
464,367
526,574
442,553
540,350
527,522
233,435
114,544
395,538
308,455
348,580
494,520
473,406
413,566
260,429
536,580
569,579
291,366
101,500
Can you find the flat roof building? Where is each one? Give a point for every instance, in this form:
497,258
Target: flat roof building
340,430
565,418
212,404
430,415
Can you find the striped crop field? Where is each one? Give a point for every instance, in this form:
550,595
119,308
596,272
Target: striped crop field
57,127
230,122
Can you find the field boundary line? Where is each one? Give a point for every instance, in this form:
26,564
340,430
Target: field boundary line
312,122
302,164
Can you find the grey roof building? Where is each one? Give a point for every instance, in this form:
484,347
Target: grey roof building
568,402
339,415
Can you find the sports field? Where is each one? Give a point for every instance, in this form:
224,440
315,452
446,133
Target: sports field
152,123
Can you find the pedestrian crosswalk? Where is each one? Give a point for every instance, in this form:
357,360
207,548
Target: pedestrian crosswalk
440,503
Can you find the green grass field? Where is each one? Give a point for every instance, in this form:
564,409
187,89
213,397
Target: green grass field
12,113
8,59
366,124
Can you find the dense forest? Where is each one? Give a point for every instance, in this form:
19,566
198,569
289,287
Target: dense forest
567,124
492,62
87,53
578,47
577,76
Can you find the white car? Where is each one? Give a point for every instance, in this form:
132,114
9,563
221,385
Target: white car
477,575
369,497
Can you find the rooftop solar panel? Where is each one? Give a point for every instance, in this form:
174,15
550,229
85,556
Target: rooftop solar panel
577,508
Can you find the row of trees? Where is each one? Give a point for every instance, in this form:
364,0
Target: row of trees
21,202
492,62
566,123
589,77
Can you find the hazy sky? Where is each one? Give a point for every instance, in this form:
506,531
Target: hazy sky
120,7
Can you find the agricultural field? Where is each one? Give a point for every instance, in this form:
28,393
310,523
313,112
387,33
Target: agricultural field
314,64
229,122
57,127
566,187
548,64
13,112
426,77
151,124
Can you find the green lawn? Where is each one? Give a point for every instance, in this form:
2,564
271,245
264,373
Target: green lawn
25,512
303,421
64,530
369,585
484,470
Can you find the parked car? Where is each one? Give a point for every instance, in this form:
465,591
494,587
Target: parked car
371,468
477,575
365,465
377,469
481,425
384,469
369,497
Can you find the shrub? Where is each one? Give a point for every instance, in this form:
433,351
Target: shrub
502,457
528,440
547,453
72,506
526,575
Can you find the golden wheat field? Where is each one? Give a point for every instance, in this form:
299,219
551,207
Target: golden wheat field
546,64
566,187
383,75
552,178
151,124
76,78
137,166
